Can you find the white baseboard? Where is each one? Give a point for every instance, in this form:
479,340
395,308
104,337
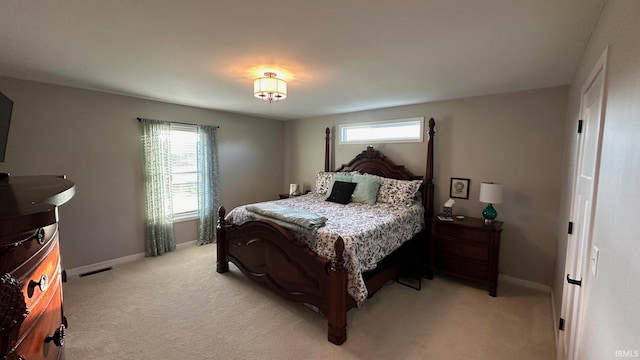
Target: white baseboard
76,272
187,243
525,283
555,318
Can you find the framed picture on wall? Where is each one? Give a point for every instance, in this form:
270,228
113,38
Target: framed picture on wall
459,188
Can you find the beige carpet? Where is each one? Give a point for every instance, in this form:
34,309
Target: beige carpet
177,307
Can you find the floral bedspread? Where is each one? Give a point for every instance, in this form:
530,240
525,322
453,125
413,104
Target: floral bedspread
370,232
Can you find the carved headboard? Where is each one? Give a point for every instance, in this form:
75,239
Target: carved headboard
372,161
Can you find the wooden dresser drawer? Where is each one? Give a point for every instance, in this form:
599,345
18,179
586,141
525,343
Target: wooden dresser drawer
45,304
38,273
16,248
38,342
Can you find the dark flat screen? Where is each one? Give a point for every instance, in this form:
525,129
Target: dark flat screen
6,106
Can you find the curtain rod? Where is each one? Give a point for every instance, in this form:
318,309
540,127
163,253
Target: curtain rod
181,123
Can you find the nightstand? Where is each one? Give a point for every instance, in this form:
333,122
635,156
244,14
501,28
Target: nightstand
469,249
286,196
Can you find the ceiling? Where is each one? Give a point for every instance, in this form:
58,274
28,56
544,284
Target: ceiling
337,55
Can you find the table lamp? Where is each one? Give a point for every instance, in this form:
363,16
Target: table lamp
490,193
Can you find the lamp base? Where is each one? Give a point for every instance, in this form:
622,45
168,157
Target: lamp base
489,214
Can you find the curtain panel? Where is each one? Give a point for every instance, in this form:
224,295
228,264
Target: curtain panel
159,233
208,184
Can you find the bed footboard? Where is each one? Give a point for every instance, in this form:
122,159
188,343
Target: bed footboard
268,254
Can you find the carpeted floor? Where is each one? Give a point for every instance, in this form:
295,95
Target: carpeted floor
177,307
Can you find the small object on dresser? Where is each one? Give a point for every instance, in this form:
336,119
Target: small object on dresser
447,209
460,217
294,189
445,218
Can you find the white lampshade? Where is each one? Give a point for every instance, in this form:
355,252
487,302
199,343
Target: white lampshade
270,88
490,193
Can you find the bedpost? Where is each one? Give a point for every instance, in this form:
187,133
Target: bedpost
428,201
428,176
337,316
326,149
222,262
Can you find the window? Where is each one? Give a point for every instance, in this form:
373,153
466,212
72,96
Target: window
401,130
184,171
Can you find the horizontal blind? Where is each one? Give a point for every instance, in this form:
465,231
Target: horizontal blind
184,169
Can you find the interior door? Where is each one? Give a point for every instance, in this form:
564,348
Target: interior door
582,210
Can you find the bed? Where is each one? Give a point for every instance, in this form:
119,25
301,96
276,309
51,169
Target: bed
331,279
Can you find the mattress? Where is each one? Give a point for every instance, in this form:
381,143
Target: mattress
370,232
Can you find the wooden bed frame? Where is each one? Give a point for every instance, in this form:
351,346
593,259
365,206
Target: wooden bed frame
269,254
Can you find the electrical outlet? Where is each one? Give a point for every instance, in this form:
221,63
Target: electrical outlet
595,252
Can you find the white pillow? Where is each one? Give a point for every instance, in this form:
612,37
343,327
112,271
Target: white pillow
323,180
398,192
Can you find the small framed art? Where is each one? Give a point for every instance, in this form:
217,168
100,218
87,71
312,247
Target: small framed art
459,188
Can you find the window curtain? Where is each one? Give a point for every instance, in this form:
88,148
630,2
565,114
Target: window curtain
208,184
159,234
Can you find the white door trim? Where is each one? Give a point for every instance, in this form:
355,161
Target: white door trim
578,258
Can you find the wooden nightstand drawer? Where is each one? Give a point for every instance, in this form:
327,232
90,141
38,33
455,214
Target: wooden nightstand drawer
466,268
463,250
464,233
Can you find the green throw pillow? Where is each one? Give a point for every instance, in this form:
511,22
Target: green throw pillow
367,190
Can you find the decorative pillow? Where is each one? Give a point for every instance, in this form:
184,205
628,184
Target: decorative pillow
341,192
339,176
367,190
398,192
323,180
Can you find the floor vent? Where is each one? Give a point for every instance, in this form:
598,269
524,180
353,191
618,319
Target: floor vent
94,272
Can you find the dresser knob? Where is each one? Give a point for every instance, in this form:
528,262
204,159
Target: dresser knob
43,284
39,236
57,337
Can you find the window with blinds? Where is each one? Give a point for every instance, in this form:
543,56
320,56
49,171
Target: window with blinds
184,171
389,131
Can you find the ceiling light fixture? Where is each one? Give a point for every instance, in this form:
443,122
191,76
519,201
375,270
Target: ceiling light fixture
270,88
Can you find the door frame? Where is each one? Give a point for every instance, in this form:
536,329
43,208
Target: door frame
599,68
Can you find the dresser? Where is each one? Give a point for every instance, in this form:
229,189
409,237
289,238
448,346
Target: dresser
32,322
469,249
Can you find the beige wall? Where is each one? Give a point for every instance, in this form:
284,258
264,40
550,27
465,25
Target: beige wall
515,139
611,298
94,139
